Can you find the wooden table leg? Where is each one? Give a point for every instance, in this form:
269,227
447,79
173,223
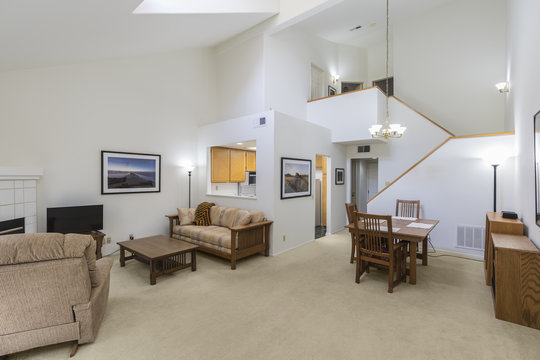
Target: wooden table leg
424,251
412,264
152,272
193,260
122,256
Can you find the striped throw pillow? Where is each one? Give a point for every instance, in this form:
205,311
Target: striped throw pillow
202,214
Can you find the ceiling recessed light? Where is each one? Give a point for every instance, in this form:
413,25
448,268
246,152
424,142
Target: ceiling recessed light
239,143
252,148
356,28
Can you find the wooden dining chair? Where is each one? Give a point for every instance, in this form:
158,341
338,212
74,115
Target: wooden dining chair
379,247
411,208
351,208
408,208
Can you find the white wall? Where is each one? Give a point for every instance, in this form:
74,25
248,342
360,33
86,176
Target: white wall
455,186
524,75
376,62
61,118
240,78
397,155
349,115
295,218
448,60
352,65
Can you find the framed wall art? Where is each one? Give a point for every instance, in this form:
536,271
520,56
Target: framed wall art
340,176
331,90
295,178
127,173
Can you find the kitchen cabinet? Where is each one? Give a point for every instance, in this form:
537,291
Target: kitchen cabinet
228,165
251,161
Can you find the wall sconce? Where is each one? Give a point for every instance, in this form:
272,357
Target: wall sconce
503,87
335,79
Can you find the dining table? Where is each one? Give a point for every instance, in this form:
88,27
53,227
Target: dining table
413,231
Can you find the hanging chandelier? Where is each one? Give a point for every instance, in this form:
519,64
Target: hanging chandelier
389,130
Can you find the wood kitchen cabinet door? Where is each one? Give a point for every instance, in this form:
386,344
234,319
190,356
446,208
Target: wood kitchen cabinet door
220,165
237,165
251,157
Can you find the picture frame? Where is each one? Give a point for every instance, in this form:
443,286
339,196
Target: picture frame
331,91
295,178
340,176
129,173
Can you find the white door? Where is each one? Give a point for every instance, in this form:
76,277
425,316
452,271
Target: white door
316,82
372,178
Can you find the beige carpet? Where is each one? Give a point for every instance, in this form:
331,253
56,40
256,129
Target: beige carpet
303,304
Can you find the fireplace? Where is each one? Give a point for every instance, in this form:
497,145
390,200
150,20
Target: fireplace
15,226
18,198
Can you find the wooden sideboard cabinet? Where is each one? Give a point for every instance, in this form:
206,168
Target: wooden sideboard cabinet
495,223
516,280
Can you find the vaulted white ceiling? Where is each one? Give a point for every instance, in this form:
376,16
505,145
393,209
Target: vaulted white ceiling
334,24
38,33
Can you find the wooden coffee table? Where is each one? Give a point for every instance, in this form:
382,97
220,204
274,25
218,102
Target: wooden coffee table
164,254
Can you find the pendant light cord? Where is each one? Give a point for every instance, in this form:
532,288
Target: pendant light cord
387,57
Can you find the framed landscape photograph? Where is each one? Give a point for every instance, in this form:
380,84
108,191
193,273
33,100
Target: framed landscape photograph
127,173
295,178
340,176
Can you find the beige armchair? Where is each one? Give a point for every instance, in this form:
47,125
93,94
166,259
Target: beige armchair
52,290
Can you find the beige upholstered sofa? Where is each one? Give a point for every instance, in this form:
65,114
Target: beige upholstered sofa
247,232
52,290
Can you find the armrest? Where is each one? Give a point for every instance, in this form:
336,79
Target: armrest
90,314
172,218
251,226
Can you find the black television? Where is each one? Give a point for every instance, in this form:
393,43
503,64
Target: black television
75,219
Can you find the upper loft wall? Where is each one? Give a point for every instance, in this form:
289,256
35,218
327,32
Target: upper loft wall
240,78
288,59
447,61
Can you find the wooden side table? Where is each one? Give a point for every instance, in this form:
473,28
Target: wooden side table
98,237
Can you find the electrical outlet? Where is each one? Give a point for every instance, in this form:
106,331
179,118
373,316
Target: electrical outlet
108,239
216,187
284,238
131,237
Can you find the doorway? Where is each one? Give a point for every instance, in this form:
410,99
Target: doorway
321,189
317,82
364,181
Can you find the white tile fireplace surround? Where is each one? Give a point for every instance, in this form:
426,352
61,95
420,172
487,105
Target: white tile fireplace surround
18,195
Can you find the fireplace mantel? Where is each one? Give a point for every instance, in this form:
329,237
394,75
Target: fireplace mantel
18,194
20,173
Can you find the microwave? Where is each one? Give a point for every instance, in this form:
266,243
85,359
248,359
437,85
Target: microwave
251,178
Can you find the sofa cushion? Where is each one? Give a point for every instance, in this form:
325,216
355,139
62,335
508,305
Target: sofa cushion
256,216
215,235
186,215
202,214
224,216
243,217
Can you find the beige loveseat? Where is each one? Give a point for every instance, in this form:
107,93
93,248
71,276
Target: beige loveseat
247,232
52,290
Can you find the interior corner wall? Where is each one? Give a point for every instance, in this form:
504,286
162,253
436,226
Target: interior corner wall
524,75
447,61
61,118
295,218
240,78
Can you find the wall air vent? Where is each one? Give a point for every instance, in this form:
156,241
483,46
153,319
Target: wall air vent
470,237
364,148
259,122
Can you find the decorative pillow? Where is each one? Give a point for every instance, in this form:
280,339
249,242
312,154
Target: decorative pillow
202,214
186,215
256,216
243,217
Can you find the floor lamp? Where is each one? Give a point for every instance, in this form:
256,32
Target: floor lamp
189,169
494,187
